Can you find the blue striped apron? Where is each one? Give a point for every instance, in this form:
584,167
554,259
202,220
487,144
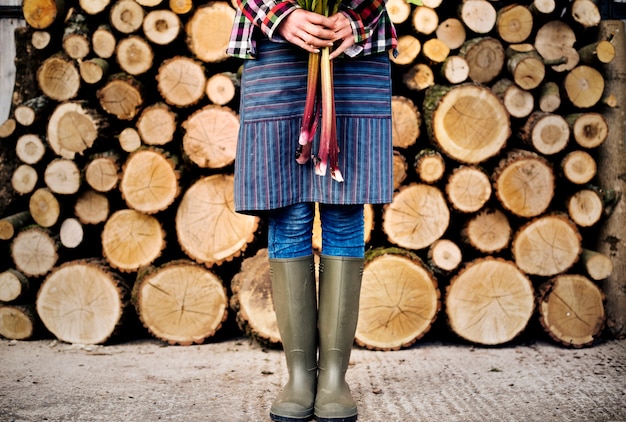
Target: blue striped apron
273,92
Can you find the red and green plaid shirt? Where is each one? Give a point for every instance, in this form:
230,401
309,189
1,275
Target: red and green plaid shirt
372,28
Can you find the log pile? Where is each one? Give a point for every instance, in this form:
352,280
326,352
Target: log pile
121,146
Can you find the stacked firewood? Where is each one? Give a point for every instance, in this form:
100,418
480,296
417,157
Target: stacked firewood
123,132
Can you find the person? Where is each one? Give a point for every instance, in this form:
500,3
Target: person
275,37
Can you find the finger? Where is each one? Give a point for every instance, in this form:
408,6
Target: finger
319,36
338,50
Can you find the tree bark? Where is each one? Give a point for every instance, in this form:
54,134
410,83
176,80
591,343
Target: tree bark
612,235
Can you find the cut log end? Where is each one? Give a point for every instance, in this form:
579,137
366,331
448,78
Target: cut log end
403,315
181,302
90,317
489,302
547,246
208,228
468,122
572,310
131,240
18,322
252,300
417,216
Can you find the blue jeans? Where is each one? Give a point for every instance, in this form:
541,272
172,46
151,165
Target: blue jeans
290,230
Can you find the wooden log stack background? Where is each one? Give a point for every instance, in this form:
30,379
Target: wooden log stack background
119,151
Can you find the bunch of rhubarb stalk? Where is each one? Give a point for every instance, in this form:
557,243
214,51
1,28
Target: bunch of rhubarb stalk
320,90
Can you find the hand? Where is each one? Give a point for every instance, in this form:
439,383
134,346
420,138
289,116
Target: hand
308,30
344,38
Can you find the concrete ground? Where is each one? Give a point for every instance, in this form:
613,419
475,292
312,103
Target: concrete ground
235,380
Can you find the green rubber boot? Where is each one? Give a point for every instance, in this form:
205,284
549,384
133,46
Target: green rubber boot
295,303
340,287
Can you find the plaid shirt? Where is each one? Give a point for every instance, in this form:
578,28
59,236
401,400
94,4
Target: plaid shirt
372,28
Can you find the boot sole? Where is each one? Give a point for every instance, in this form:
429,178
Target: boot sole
339,419
279,418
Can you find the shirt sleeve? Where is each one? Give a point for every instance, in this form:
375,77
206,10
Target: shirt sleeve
267,14
364,16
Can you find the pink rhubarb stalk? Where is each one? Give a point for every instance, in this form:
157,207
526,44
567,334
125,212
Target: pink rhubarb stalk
320,78
306,134
311,112
329,149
